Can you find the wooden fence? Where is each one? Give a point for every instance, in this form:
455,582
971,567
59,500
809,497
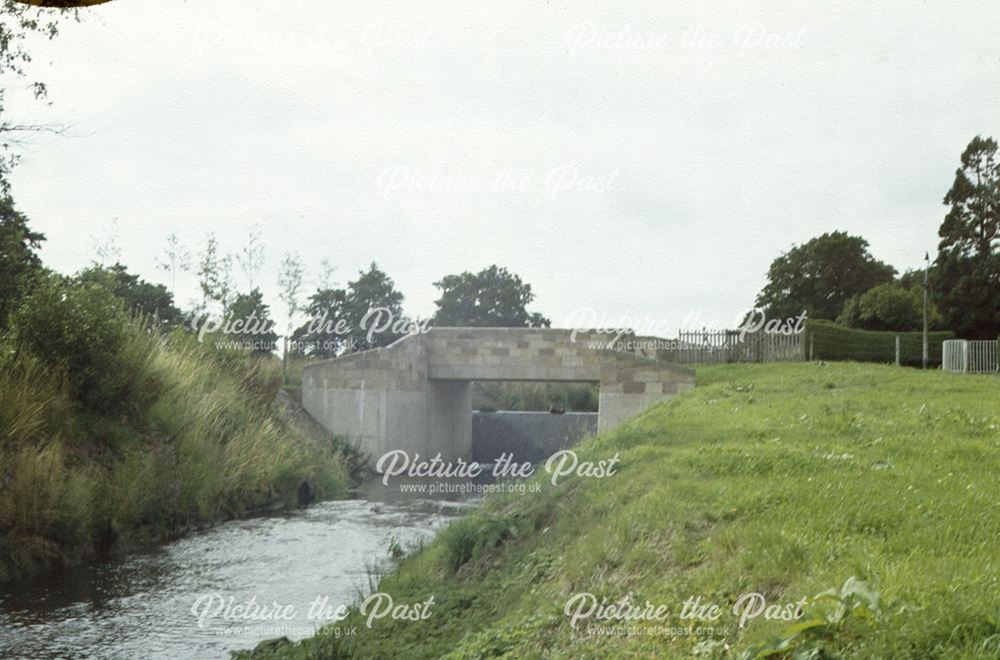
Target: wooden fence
970,356
720,346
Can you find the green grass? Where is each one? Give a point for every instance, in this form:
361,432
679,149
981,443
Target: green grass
876,482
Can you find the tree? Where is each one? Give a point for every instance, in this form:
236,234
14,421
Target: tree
106,248
290,283
321,336
493,297
889,307
215,276
19,262
966,282
373,310
252,323
138,296
21,22
176,258
251,258
367,314
820,276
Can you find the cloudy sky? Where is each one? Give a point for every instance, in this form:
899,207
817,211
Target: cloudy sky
647,162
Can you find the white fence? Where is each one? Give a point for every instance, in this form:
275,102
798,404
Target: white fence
736,346
969,356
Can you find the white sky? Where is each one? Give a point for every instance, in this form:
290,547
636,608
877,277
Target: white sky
648,162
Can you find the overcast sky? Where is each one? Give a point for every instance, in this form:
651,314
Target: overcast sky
649,161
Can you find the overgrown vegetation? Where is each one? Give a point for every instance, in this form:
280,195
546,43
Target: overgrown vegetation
867,489
113,434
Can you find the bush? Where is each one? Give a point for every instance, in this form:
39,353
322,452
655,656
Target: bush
890,308
831,341
82,333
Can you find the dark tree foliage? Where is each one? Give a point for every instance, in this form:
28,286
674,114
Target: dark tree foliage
256,327
80,331
373,304
367,314
19,262
139,297
820,276
493,297
966,274
319,336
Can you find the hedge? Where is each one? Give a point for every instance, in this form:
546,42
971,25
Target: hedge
831,341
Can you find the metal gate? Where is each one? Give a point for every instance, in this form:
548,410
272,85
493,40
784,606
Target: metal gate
966,356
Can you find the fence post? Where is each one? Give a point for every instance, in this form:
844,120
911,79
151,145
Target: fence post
897,350
812,338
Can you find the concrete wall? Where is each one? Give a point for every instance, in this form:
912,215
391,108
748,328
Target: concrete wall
529,436
414,395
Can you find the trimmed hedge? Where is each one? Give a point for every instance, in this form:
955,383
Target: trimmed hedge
831,341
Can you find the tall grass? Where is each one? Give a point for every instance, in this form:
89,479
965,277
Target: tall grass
196,439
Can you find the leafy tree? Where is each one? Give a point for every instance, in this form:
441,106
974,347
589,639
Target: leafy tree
889,307
367,314
138,295
373,308
320,336
19,262
820,276
493,297
966,281
256,328
912,278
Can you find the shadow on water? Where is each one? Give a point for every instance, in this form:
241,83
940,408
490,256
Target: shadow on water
142,605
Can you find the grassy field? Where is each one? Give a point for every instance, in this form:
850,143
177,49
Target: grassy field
871,485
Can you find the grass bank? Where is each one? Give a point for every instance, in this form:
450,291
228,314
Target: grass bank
129,442
872,485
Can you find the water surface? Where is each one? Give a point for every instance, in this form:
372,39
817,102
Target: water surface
140,606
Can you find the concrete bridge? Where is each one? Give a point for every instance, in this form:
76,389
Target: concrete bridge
414,395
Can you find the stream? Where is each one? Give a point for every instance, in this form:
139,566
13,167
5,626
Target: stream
141,605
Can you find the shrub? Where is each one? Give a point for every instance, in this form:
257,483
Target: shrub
831,341
82,332
889,307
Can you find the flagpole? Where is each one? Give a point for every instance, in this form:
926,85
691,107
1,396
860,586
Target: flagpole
927,265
